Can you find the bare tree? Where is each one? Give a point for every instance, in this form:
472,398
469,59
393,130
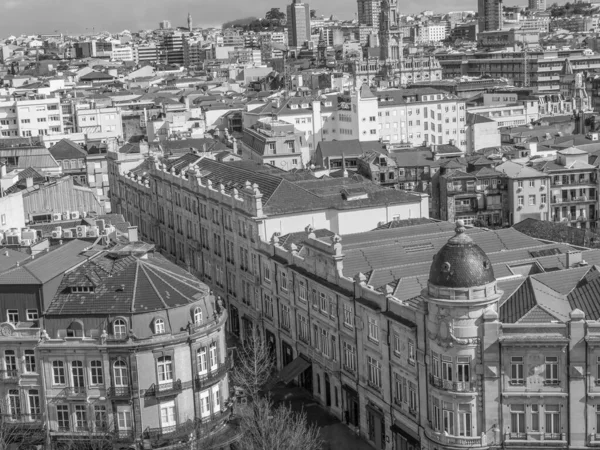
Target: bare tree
254,365
269,428
17,427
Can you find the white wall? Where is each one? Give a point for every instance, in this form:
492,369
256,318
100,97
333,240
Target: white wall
12,211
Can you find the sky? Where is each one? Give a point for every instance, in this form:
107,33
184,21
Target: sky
86,16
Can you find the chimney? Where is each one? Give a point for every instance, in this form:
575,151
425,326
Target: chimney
29,181
574,259
132,234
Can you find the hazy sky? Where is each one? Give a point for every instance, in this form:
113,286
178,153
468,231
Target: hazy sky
76,16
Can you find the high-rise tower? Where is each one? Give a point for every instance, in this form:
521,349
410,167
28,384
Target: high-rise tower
490,15
189,20
369,12
298,23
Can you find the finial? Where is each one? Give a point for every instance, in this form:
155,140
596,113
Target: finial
460,227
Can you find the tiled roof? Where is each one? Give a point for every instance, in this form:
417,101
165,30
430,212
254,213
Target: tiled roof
537,314
128,284
552,231
66,149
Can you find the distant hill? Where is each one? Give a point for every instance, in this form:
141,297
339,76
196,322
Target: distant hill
239,22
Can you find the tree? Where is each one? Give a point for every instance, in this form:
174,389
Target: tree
275,14
269,428
313,13
25,430
254,365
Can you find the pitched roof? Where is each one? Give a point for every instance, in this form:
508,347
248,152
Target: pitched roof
67,149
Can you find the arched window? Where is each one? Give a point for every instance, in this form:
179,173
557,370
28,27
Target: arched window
75,329
159,326
119,328
165,369
120,373
197,316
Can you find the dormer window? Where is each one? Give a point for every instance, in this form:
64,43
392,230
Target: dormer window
119,328
84,289
304,105
327,103
197,316
294,106
159,326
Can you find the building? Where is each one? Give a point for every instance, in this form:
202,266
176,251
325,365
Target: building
164,25
490,15
369,12
72,159
79,378
527,192
537,5
39,115
573,188
482,132
277,143
298,24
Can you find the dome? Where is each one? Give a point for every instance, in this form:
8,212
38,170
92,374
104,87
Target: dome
461,263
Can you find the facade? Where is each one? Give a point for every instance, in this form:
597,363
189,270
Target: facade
482,132
298,24
38,116
277,143
369,12
490,15
527,192
573,187
537,5
143,373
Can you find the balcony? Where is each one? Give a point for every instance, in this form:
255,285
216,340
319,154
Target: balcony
454,386
162,390
551,440
464,441
119,392
9,376
576,182
208,379
75,392
579,198
23,419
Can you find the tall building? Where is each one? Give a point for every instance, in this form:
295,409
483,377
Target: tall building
537,5
369,12
189,21
298,23
164,25
490,15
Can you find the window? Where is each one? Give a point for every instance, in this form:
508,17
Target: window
120,374
164,366
285,317
463,373
302,291
100,417
397,344
96,372
167,415
516,370
551,370
448,416
531,200
349,356
212,356
399,389
78,377
197,316
12,316
447,368
520,184
267,274
543,198
32,314
374,372
348,316
552,422
119,328
62,417
14,403
435,365
10,363
268,306
58,372
30,365
517,421
412,397
464,420
373,329
535,418
283,281
201,360
303,334
323,302
124,420
159,326
33,396
411,352
437,414
531,183
521,200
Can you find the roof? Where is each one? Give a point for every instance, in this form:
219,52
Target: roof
515,170
127,283
338,148
67,149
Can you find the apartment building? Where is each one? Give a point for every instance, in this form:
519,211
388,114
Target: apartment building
398,362
99,365
528,192
99,123
573,188
37,116
276,143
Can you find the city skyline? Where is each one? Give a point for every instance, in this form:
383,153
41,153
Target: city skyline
71,17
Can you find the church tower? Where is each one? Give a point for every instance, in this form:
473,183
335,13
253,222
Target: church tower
461,296
189,20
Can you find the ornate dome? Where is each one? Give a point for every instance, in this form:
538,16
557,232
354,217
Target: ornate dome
461,263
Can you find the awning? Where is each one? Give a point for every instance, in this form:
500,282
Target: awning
409,435
293,369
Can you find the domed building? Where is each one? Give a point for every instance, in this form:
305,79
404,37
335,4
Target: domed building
134,344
